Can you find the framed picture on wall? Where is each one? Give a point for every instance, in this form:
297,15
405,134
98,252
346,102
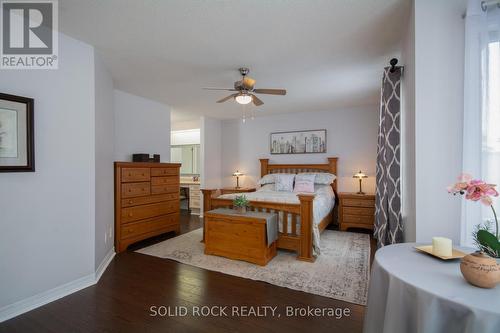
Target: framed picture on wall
299,142
17,141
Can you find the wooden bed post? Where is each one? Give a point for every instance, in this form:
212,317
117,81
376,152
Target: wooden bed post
264,162
332,161
207,205
306,221
207,199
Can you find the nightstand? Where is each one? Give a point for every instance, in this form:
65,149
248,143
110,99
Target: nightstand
356,211
229,190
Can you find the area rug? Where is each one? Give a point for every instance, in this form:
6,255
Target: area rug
340,272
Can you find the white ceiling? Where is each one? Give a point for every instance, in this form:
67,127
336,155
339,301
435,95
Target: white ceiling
326,53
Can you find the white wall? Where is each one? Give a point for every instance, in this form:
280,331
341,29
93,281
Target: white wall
104,156
408,130
47,217
186,124
141,126
439,66
351,136
57,222
211,153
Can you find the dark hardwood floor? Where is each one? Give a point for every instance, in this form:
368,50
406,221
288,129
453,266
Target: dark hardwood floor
133,283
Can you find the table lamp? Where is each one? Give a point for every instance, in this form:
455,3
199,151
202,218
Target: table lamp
360,175
237,174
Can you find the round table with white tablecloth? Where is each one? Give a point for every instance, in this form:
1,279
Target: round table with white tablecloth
412,291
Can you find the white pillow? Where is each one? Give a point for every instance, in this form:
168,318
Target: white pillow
321,177
284,182
304,184
270,178
267,179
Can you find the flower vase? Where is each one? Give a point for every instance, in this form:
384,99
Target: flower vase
480,270
241,210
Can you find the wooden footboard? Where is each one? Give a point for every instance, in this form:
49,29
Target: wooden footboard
289,238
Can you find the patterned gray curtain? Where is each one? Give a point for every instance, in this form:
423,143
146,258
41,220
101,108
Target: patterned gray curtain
388,222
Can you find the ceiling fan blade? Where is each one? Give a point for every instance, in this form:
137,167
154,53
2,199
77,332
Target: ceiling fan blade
227,98
270,91
256,100
248,83
227,89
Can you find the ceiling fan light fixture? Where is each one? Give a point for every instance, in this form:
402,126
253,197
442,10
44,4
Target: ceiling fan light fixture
244,92
243,99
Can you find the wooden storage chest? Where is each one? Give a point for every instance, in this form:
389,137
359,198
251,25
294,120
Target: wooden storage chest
242,237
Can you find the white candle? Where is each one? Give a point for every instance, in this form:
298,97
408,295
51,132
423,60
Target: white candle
441,246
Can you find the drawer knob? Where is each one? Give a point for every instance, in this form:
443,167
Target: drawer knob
130,190
130,201
130,214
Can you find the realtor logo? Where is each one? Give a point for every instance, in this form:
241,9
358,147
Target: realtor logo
29,38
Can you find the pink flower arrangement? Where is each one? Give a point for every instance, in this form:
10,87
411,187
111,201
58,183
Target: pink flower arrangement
478,190
474,189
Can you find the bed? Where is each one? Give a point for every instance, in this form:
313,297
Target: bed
302,216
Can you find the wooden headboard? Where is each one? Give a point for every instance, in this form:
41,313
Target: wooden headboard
330,167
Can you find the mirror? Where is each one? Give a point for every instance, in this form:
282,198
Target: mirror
189,156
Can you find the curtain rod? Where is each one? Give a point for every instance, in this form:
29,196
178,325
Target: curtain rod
485,5
489,3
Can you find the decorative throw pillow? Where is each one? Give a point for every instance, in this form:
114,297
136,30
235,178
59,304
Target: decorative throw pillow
304,183
321,177
267,179
284,182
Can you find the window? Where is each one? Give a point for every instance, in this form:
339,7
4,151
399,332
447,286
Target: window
481,144
188,156
491,117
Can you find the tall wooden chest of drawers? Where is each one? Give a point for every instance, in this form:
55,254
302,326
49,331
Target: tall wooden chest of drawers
146,201
356,211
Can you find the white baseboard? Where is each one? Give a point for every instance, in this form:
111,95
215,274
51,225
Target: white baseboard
33,302
104,264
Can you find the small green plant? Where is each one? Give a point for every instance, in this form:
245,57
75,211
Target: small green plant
240,201
485,241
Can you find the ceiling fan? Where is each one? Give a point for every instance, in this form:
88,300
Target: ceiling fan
245,92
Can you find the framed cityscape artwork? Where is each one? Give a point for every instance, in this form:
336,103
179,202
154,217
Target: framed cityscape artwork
299,142
17,152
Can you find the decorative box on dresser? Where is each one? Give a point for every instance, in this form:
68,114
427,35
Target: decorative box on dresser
356,211
146,201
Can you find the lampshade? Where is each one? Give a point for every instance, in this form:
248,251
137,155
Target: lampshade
237,174
360,175
243,98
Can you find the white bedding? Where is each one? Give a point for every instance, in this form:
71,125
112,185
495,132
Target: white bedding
323,203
